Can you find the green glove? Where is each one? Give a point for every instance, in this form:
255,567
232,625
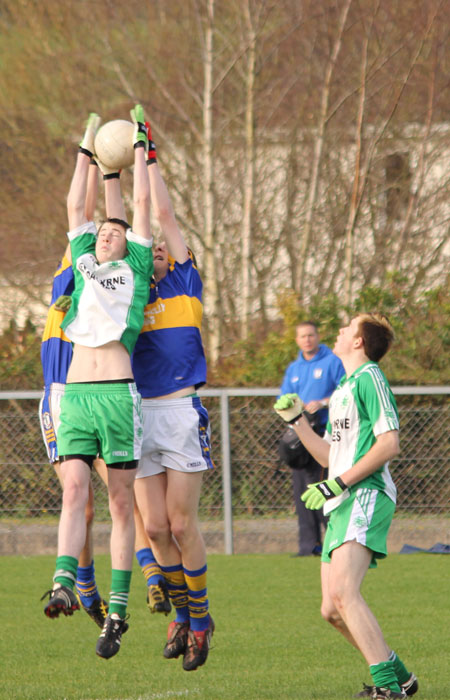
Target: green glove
289,407
63,303
87,142
316,494
140,137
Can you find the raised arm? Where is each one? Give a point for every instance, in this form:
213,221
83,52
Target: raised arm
90,200
162,207
115,208
316,445
77,192
76,199
290,407
90,203
141,184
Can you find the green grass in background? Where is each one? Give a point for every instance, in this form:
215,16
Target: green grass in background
270,641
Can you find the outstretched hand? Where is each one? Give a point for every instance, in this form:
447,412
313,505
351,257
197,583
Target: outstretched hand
87,142
107,173
140,137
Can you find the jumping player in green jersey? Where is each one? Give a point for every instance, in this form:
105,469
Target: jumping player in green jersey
101,407
56,354
362,436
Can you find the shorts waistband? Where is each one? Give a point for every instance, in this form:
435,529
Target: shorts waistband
179,402
112,387
55,385
128,380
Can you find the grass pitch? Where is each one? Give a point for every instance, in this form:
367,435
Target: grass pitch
270,641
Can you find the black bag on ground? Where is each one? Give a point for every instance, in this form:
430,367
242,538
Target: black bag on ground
291,449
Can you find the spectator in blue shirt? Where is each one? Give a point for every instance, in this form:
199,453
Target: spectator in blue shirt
314,376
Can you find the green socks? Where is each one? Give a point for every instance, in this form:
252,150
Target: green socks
400,669
384,676
120,588
390,674
66,571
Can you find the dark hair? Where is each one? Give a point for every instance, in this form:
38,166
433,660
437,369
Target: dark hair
377,334
115,220
308,323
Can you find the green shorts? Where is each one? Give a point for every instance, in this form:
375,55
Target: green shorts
103,419
365,516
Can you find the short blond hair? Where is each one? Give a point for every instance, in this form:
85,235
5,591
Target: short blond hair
377,333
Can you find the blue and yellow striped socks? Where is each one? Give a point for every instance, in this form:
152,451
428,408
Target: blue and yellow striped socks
197,598
178,592
86,586
149,565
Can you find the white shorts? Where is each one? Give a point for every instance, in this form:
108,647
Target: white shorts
176,436
49,411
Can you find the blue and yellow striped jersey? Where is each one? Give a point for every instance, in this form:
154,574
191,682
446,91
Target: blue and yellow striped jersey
56,348
169,353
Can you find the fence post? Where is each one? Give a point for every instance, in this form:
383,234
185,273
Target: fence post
226,471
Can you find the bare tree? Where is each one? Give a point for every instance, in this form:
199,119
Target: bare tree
319,145
305,145
211,281
249,181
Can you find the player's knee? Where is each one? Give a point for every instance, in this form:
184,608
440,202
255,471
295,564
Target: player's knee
330,614
121,506
183,528
339,596
75,495
158,532
156,526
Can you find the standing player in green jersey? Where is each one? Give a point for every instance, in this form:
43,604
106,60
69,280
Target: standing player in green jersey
101,407
359,496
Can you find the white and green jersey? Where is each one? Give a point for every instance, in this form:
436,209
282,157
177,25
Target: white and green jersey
109,298
361,408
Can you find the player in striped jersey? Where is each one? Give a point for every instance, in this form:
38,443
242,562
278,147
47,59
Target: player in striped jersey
169,366
359,495
56,354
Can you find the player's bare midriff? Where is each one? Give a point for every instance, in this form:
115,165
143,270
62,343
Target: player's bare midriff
109,361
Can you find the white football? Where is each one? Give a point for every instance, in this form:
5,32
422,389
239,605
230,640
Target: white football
114,144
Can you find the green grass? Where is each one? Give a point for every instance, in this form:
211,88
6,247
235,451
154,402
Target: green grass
270,641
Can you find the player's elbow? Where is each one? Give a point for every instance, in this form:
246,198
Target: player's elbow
397,449
164,215
391,443
395,442
75,211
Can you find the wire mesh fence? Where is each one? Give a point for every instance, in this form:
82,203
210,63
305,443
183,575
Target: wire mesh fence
260,483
